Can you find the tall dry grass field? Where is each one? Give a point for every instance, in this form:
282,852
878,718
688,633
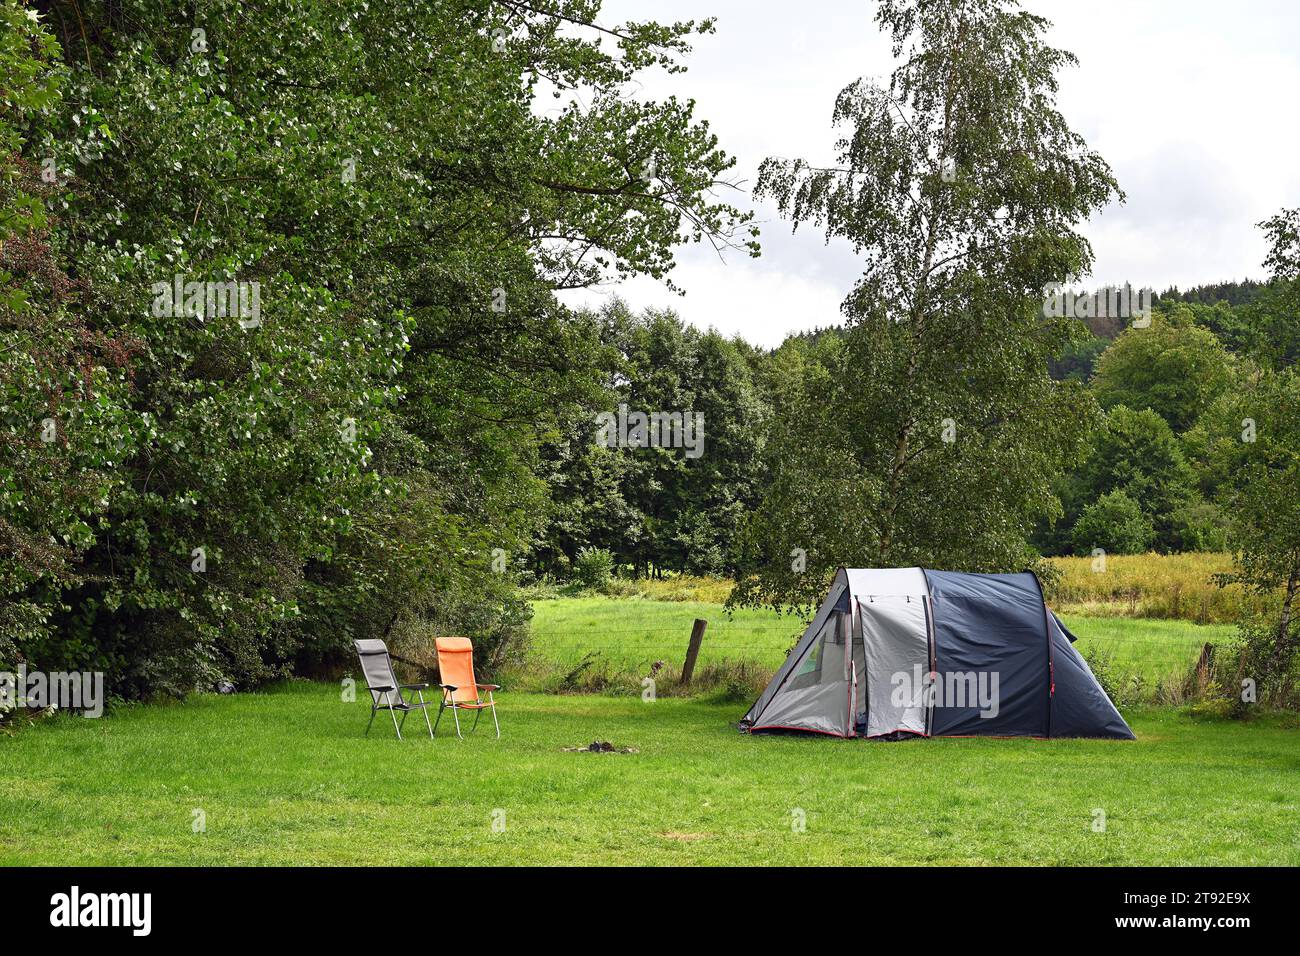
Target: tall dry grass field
1170,586
1163,586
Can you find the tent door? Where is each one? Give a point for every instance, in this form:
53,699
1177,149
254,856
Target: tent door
896,642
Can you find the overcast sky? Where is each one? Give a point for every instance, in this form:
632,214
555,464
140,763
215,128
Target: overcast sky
1194,104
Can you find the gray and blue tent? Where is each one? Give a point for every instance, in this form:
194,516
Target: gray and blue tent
901,652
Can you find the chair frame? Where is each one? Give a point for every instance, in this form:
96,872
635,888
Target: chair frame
448,702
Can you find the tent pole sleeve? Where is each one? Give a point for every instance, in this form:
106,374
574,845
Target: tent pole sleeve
1051,663
928,605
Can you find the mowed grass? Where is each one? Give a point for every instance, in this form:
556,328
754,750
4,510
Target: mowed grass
634,633
286,777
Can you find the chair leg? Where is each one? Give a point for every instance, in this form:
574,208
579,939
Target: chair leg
454,708
477,714
373,711
424,707
494,714
393,715
442,705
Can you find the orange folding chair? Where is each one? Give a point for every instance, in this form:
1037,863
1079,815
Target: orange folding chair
459,689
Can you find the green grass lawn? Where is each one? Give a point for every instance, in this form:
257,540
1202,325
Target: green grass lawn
634,633
286,776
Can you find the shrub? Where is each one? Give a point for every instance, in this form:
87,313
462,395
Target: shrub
1103,669
1200,526
593,568
1276,677
733,682
1212,708
1114,523
673,587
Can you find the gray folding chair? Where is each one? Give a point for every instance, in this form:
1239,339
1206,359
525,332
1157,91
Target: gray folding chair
385,692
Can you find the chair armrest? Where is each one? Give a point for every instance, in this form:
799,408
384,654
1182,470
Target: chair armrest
381,690
489,686
449,687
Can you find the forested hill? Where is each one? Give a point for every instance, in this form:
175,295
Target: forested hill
1242,292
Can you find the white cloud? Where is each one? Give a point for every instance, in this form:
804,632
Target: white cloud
759,303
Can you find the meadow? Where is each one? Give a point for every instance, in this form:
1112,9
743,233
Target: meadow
286,776
1165,586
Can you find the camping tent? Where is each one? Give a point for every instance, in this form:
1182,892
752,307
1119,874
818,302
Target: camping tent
909,651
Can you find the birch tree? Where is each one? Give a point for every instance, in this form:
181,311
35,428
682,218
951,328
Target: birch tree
934,433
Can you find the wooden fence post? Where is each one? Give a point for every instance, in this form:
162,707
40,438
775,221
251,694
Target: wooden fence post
693,649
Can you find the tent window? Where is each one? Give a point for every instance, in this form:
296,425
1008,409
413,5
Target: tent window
811,660
829,643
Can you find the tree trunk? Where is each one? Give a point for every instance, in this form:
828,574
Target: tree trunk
1283,646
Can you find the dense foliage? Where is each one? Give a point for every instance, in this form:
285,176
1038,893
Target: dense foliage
349,446
1249,443
662,508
